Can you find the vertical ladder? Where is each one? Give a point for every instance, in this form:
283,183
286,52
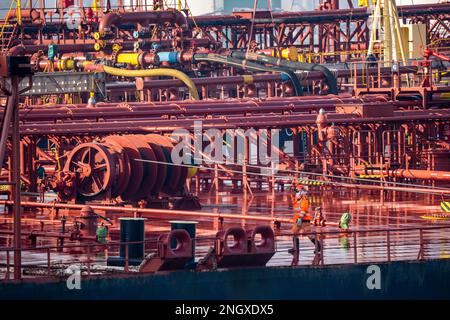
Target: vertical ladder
7,35
8,30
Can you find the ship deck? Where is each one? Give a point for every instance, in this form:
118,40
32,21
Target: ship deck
389,229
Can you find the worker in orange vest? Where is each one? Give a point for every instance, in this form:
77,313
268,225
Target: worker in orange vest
301,204
302,218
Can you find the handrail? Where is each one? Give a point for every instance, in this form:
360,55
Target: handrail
6,19
132,210
319,249
302,234
154,240
374,230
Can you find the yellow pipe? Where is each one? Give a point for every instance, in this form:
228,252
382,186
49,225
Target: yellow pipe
290,53
128,58
70,64
152,73
67,64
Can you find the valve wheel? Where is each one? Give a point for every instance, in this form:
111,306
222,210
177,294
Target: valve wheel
94,167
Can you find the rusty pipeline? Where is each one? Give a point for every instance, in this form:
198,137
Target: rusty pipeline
145,18
143,211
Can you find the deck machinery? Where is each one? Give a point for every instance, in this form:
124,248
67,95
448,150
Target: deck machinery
100,98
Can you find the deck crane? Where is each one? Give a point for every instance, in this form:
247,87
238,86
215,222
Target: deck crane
386,31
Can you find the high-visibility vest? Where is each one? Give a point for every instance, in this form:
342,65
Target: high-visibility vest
297,204
304,204
301,203
301,206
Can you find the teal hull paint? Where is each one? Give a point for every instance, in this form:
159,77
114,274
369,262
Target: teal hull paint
399,280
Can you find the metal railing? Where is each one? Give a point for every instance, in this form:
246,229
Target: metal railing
387,239
362,246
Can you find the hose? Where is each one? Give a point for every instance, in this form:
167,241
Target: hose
154,73
246,65
148,73
293,65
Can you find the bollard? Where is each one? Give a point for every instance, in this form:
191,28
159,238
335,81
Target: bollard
190,227
131,230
